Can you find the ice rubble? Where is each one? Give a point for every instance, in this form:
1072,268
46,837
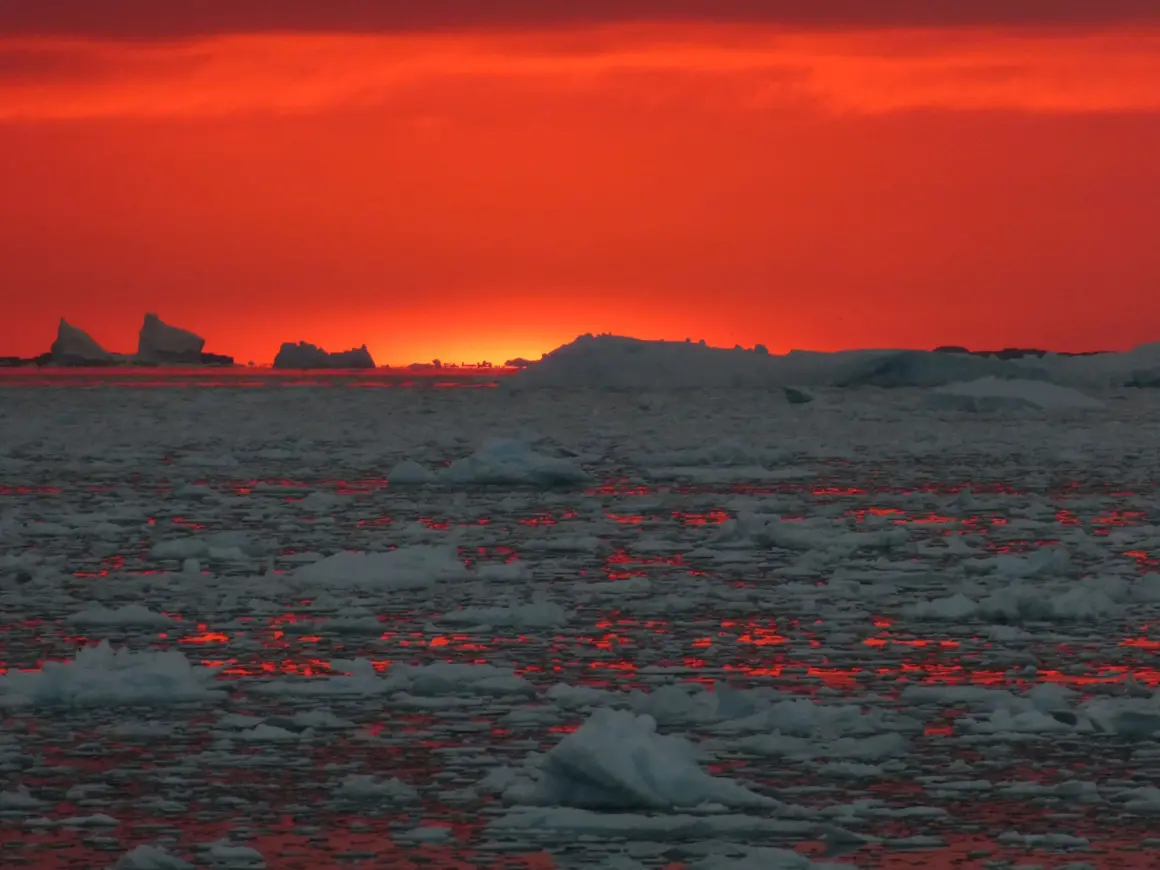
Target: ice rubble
1091,598
158,342
509,462
617,761
438,679
993,394
305,355
234,856
1045,709
222,546
74,346
103,676
410,473
537,613
418,566
20,800
365,788
130,615
147,857
497,462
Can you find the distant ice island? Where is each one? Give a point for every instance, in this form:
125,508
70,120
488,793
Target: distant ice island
977,378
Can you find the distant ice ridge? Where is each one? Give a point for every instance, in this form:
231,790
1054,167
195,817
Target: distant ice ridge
499,462
305,355
158,342
611,362
101,676
992,394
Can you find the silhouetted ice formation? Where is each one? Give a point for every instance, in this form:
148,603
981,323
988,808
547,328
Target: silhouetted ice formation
610,362
305,355
158,342
75,347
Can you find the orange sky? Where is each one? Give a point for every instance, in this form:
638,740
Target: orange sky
486,192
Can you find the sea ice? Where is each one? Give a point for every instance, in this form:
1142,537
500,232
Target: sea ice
412,567
100,676
147,857
990,394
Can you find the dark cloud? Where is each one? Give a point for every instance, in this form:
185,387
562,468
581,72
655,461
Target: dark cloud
164,19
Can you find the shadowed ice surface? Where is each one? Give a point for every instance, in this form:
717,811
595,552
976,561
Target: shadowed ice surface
577,630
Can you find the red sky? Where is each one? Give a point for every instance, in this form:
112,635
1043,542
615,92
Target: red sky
472,180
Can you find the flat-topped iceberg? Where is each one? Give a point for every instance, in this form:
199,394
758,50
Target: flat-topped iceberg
305,355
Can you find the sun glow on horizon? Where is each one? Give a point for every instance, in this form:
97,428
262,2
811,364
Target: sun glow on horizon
491,194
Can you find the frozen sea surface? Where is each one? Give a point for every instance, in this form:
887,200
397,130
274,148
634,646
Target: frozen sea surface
709,630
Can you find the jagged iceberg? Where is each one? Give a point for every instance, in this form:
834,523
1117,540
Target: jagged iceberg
158,342
305,355
75,347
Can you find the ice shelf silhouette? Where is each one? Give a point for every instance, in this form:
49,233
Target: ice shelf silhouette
158,342
610,362
75,347
305,355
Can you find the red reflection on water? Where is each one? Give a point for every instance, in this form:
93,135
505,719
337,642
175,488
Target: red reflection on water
714,517
626,519
281,840
29,490
761,635
205,636
1141,643
108,565
1143,558
621,486
377,522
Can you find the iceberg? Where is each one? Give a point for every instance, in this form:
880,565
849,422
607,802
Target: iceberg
305,355
158,342
75,347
